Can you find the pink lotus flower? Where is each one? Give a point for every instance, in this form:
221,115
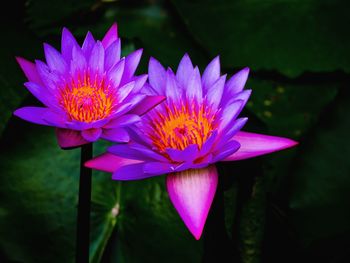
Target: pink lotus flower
89,92
186,135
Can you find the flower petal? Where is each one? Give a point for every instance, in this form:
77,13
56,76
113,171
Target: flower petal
135,151
89,43
111,36
78,62
230,113
69,138
157,75
116,72
194,86
172,90
227,149
237,81
29,70
158,168
214,92
125,90
188,154
192,193
112,55
108,162
97,58
211,74
123,121
184,71
32,114
42,94
115,135
253,144
131,63
54,59
68,42
131,172
147,104
91,135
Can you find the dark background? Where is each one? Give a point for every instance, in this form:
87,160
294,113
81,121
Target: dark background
291,206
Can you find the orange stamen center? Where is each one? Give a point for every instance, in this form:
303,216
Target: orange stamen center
179,126
87,101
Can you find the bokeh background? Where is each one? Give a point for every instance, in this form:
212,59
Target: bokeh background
292,206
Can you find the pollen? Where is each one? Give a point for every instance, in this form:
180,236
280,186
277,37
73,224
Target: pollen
86,100
178,126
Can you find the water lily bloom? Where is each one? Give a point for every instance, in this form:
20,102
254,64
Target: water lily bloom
89,92
183,137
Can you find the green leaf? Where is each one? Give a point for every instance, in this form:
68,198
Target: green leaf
320,197
289,36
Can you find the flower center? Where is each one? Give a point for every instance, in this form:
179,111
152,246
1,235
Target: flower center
179,126
86,101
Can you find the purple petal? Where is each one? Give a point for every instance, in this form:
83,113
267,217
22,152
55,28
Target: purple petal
111,36
135,151
237,125
78,63
158,168
131,63
214,92
211,73
91,135
172,90
116,72
112,55
125,90
147,104
130,172
49,78
228,149
68,42
188,154
184,71
208,144
54,59
237,81
69,138
192,193
97,58
230,113
157,76
29,70
254,144
115,135
139,83
32,114
88,45
108,162
123,121
42,94
194,87
54,119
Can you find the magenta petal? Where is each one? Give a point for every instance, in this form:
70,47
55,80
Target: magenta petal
89,43
111,36
157,75
116,135
125,90
123,121
253,144
97,58
186,155
139,83
112,55
116,72
29,70
192,193
147,104
32,114
69,138
91,135
108,162
131,172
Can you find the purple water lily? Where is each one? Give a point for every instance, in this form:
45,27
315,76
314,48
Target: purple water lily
89,92
187,134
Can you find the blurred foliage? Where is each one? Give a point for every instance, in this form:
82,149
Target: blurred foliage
288,207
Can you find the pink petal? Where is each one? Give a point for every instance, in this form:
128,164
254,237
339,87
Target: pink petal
69,138
29,70
91,135
192,192
108,162
147,104
253,144
111,36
